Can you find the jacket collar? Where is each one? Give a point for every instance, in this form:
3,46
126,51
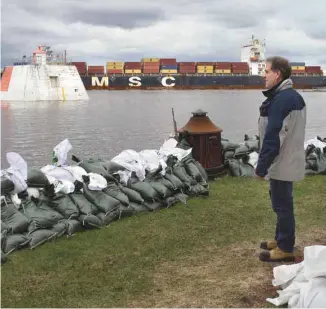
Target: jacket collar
282,85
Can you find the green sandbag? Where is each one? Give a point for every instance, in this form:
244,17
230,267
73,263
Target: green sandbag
227,145
160,189
229,154
242,150
113,190
234,167
246,170
197,189
92,166
126,211
166,183
105,203
73,226
7,186
176,182
39,237
252,145
90,221
202,170
60,229
181,173
145,189
15,242
85,207
153,205
191,169
15,220
139,208
63,204
40,214
110,217
112,167
170,201
36,178
181,197
133,195
5,227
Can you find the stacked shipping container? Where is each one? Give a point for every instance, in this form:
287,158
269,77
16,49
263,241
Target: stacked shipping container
95,70
133,67
205,67
168,66
222,67
298,68
114,67
313,70
187,67
81,67
240,67
151,65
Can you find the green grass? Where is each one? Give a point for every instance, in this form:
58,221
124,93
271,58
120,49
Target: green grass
202,254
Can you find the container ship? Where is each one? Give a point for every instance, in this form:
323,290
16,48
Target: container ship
168,73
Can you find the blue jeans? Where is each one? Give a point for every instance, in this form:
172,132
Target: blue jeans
281,193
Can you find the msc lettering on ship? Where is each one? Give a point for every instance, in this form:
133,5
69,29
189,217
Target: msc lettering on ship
134,81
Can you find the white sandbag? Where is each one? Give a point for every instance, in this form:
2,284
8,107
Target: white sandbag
152,161
253,159
76,171
316,142
59,173
97,182
61,152
63,186
17,172
302,285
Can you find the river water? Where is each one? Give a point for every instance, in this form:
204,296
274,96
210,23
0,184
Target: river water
112,121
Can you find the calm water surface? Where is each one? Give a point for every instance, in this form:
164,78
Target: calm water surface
111,122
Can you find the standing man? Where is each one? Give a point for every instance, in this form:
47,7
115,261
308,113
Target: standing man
281,160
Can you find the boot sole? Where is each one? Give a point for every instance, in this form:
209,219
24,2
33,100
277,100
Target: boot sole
264,258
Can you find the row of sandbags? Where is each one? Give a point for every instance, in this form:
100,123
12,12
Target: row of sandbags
241,158
45,212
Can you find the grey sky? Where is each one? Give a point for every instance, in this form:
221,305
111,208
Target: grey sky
96,31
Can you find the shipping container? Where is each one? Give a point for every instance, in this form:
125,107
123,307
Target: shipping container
298,72
151,60
116,63
148,71
131,65
187,64
168,61
226,71
201,71
239,64
205,63
169,67
298,64
134,71
313,70
296,67
114,71
166,71
240,71
191,70
81,67
223,65
96,69
205,67
114,67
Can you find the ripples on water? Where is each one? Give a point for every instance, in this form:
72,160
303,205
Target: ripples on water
112,121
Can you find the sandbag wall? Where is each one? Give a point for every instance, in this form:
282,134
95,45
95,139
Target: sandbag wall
241,159
44,214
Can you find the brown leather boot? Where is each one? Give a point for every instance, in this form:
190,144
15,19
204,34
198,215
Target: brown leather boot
277,255
268,245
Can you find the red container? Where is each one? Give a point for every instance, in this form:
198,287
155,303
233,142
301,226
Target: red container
114,71
96,69
222,65
80,66
151,71
205,63
168,61
313,69
133,65
240,71
187,70
187,64
301,72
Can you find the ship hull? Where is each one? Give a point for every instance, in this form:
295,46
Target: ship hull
179,82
